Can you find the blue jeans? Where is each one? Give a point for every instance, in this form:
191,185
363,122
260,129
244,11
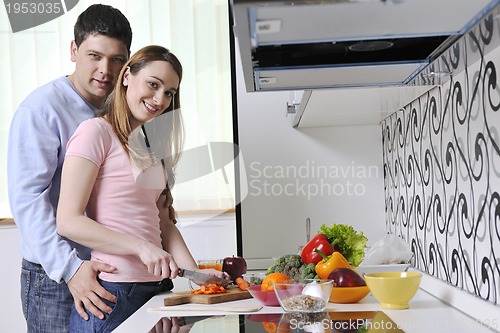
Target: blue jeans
46,303
130,296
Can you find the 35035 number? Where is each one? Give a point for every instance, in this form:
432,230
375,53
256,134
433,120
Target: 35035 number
33,8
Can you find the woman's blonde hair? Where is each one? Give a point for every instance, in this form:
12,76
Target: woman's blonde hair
117,112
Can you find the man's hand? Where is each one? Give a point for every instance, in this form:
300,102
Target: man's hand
87,291
165,208
170,325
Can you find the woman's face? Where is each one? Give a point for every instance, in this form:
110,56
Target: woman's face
150,91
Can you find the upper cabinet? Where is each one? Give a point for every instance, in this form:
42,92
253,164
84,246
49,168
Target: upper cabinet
352,106
301,44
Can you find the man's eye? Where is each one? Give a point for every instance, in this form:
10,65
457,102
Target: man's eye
119,60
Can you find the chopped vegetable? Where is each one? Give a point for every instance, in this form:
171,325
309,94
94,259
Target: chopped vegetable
347,240
242,284
270,326
320,242
210,290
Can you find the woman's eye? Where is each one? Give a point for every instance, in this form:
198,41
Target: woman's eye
153,85
169,94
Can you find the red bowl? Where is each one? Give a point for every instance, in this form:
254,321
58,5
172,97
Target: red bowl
267,298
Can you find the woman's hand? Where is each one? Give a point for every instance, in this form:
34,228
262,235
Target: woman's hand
158,262
213,272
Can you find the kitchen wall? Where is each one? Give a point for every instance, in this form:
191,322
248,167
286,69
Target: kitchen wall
329,174
441,157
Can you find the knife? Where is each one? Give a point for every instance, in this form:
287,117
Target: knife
198,277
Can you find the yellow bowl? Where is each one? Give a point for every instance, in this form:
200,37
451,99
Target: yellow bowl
393,290
346,295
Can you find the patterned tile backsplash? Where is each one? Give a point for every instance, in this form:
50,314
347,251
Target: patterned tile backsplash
442,167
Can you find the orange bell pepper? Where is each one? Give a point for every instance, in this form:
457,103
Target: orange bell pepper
331,263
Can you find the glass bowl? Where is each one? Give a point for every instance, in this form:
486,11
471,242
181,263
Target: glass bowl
296,322
267,298
308,296
210,263
254,278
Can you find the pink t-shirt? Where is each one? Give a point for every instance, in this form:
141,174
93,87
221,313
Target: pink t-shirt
117,201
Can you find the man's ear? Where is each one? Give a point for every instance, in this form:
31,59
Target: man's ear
73,50
126,76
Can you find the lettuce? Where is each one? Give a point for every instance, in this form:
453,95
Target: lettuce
346,240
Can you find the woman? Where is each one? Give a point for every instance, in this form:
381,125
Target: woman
103,204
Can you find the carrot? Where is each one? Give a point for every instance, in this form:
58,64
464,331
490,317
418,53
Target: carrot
210,290
242,284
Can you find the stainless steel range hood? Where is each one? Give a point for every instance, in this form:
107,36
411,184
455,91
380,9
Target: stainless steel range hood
295,45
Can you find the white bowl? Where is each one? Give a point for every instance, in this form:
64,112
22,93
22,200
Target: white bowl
367,269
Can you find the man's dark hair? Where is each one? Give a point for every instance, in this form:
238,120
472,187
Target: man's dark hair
103,20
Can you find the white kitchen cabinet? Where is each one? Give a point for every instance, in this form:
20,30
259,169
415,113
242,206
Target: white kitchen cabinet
11,314
352,106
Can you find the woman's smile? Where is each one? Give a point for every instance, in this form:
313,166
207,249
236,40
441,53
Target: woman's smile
149,108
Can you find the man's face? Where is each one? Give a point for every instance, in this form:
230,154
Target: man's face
99,60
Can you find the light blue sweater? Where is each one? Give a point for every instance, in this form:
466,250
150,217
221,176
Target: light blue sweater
40,128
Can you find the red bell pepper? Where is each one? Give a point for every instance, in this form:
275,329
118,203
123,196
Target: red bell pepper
319,242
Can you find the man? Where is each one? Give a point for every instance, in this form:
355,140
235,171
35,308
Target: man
40,128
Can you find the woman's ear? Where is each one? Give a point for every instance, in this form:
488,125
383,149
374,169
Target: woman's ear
126,76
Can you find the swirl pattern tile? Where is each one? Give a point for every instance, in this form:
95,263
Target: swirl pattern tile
441,162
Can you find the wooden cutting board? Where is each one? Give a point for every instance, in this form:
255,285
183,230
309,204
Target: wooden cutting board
233,294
